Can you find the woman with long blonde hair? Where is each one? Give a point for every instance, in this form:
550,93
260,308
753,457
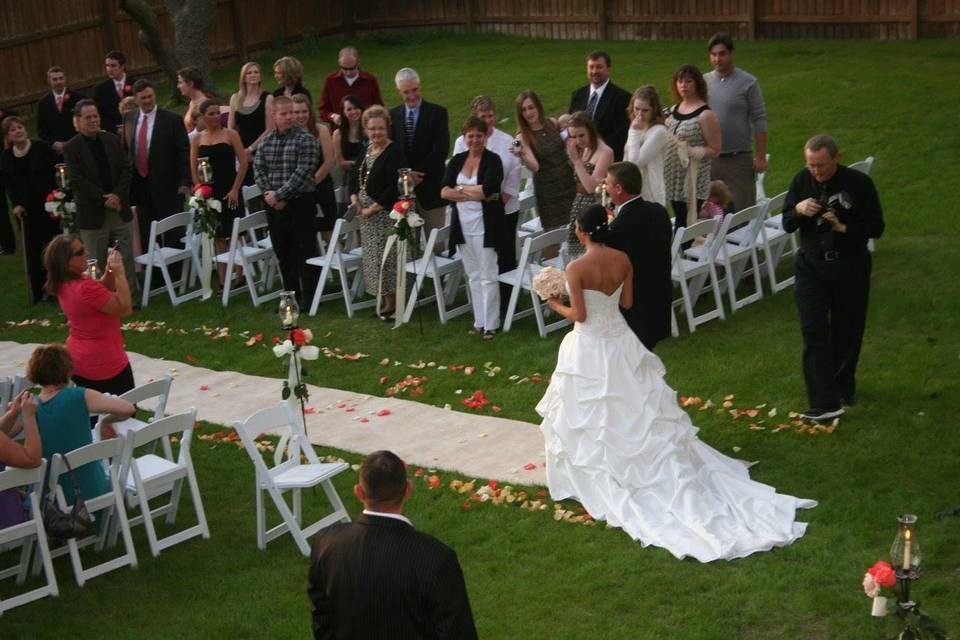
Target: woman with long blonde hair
251,112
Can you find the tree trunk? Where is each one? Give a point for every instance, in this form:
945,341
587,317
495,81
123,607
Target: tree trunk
193,25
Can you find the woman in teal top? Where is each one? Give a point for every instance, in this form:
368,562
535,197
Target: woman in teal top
64,416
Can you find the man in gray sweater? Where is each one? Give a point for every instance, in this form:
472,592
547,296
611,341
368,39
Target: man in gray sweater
735,96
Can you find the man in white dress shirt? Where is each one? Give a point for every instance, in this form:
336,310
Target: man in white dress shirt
500,143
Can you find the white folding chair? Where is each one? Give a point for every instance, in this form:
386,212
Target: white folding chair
149,476
162,257
521,278
758,181
865,166
338,257
110,504
773,241
446,273
253,203
151,396
739,232
10,388
245,250
695,273
289,475
25,535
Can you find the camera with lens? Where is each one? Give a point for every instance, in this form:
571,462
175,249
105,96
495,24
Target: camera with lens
837,202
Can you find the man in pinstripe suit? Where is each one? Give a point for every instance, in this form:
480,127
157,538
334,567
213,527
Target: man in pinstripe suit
381,578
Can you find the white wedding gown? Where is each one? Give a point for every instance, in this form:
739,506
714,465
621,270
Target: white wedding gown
618,441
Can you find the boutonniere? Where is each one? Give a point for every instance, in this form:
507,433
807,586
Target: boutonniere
127,88
66,96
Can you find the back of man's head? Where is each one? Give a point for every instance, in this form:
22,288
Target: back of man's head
383,478
628,176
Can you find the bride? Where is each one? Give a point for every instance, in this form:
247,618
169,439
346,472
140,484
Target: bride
617,441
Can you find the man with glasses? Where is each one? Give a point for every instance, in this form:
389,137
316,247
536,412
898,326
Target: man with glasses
348,81
836,210
100,178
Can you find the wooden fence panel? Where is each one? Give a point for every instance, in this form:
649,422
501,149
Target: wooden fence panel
34,34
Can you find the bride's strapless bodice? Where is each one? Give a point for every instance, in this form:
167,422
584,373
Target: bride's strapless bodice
603,313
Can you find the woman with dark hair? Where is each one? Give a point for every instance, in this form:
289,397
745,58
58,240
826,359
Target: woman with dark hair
647,142
251,113
349,141
372,196
472,185
590,156
228,164
695,138
305,117
190,86
22,413
28,169
63,416
542,152
617,440
288,72
93,308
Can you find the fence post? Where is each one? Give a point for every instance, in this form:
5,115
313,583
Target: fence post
239,36
109,25
348,29
469,7
602,19
914,25
752,19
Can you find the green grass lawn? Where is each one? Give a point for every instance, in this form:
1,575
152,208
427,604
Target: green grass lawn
529,576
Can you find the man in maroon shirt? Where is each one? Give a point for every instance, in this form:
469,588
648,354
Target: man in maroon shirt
349,80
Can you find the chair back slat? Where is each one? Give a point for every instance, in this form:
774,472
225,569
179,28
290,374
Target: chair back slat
14,477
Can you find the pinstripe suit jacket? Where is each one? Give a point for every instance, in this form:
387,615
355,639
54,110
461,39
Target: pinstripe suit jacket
381,578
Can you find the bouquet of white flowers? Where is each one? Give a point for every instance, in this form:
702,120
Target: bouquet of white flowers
550,283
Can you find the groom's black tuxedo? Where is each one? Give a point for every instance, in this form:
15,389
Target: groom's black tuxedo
381,578
643,231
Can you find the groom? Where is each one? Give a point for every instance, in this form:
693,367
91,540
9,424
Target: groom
643,231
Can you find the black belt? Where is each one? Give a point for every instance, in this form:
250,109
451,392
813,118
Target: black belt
832,255
730,154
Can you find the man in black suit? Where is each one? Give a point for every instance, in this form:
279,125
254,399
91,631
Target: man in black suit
55,111
605,102
160,154
381,578
421,127
111,91
100,179
643,231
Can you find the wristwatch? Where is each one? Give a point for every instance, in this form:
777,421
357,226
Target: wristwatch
460,188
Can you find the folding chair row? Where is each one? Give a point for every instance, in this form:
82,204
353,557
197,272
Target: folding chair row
258,262
531,262
344,256
163,257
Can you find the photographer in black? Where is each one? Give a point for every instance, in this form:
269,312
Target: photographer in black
836,210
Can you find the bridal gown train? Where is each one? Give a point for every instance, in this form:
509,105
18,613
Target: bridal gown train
617,440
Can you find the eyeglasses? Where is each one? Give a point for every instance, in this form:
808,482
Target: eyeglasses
353,68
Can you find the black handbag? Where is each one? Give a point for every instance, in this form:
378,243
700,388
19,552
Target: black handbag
73,524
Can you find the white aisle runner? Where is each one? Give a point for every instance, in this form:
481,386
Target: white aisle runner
475,445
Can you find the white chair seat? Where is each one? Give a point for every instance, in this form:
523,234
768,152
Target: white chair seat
308,475
152,467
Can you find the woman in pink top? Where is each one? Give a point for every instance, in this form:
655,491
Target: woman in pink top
93,309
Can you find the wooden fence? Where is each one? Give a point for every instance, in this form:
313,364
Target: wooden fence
35,34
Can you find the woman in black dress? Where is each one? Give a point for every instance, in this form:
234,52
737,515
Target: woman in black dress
251,113
373,194
288,72
349,140
327,200
28,170
222,147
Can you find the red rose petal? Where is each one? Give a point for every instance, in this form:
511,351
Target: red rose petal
529,466
383,412
204,387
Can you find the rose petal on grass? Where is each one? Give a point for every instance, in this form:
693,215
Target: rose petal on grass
191,358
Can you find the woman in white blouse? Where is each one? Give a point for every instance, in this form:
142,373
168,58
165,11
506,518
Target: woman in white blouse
646,142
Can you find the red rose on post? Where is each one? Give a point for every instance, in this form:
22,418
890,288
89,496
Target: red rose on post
883,574
299,337
206,190
50,196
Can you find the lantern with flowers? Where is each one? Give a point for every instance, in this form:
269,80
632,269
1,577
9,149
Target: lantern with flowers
405,235
205,210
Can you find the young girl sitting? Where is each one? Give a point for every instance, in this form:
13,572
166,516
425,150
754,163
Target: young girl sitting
716,204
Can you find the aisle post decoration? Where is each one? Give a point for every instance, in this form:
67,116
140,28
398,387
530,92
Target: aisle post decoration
902,570
205,209
405,234
296,346
60,205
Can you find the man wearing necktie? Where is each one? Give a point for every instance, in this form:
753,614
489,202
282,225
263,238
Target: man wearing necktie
604,101
55,111
422,128
160,152
111,91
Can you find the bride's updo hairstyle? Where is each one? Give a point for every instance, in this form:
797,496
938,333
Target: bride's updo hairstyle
593,222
